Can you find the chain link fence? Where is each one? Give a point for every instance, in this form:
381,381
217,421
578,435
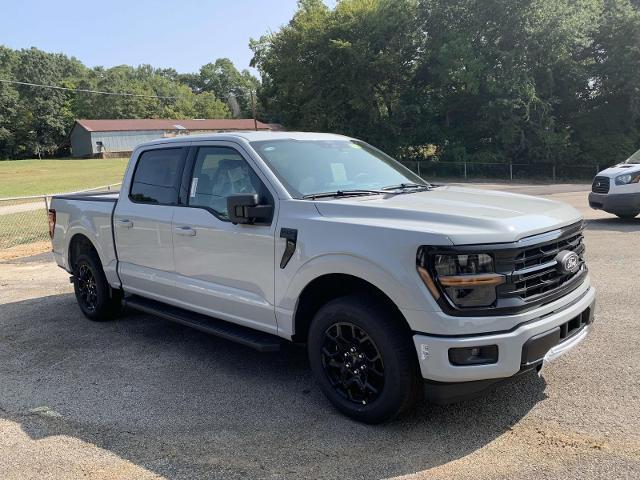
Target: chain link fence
521,172
25,221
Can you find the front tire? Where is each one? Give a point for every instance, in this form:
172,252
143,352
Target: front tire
364,359
97,300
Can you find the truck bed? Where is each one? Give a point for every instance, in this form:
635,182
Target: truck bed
90,215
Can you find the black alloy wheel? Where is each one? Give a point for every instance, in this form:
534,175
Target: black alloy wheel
352,363
363,357
97,300
87,288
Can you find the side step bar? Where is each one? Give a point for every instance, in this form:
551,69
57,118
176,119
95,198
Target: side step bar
263,342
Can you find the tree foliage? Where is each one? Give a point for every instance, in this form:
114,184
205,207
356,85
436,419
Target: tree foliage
462,80
36,121
524,81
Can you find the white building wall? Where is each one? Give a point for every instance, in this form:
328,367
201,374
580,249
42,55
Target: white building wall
123,141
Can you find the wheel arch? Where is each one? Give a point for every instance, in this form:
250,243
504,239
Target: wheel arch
78,244
329,286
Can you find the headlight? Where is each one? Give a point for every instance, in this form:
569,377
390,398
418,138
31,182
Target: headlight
467,280
628,178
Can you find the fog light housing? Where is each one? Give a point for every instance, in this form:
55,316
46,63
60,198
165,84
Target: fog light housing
480,355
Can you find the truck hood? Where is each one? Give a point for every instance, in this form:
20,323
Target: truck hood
619,169
464,215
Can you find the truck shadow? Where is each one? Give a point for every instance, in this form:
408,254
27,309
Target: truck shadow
183,404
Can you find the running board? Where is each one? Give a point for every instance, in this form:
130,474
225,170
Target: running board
263,342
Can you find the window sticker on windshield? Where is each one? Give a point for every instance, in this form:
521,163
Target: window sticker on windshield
355,145
339,172
194,186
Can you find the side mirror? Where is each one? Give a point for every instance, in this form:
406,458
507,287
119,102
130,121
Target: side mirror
246,208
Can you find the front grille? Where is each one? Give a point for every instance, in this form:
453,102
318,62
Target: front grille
601,185
533,272
536,269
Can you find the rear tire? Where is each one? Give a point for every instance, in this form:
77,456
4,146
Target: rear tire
97,300
626,216
364,359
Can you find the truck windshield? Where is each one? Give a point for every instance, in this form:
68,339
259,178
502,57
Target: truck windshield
635,158
309,167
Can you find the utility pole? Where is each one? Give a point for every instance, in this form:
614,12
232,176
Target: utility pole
253,109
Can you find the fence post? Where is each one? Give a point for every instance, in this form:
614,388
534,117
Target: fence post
419,170
597,169
511,171
465,170
554,172
46,211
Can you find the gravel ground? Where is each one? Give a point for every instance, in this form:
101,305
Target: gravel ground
144,398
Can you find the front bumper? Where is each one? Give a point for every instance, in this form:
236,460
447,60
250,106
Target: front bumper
620,203
520,349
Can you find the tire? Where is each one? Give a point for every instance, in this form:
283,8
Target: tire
392,384
97,300
626,216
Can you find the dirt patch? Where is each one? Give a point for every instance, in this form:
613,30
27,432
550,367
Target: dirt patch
26,250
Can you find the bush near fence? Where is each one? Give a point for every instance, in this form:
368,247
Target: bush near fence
24,220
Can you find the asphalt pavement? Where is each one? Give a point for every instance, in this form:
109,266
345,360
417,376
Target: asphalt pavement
140,397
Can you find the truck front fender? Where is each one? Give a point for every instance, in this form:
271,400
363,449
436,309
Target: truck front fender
399,290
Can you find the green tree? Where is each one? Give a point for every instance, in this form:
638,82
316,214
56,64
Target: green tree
36,121
222,79
343,70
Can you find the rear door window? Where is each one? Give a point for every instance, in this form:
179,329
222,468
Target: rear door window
157,176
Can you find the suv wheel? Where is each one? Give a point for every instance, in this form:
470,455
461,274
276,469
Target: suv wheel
364,359
97,300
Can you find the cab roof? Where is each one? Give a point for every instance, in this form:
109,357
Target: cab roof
249,136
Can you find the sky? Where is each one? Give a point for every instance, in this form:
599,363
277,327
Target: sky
182,34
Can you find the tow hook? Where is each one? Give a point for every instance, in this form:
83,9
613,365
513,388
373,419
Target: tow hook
72,278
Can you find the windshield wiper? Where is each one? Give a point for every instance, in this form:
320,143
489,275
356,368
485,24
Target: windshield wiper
343,193
406,186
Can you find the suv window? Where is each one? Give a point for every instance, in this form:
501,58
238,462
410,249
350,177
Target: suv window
219,172
157,176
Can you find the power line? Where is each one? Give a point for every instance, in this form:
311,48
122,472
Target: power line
83,90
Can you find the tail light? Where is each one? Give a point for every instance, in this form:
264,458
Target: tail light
52,222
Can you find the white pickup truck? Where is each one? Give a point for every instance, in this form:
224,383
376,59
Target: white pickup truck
398,288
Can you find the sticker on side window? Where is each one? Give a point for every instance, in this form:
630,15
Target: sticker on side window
339,172
194,186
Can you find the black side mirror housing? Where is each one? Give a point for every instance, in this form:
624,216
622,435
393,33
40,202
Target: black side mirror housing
246,209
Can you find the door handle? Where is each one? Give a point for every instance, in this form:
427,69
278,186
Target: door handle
185,231
125,223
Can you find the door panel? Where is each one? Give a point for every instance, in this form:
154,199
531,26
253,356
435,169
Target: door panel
145,249
224,270
143,223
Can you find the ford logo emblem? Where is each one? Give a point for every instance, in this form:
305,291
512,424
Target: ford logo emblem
568,262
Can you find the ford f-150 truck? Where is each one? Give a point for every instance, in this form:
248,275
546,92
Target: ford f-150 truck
398,288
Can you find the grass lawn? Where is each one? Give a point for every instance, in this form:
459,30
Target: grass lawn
35,177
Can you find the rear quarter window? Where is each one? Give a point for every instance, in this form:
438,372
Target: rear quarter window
157,176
